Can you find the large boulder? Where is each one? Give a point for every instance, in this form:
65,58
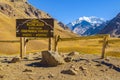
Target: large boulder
50,58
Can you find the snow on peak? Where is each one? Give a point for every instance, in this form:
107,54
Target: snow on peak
91,19
87,25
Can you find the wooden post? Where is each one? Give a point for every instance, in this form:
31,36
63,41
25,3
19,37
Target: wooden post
56,39
21,50
105,43
55,44
25,46
50,44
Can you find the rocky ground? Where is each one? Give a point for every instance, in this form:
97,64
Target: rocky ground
77,67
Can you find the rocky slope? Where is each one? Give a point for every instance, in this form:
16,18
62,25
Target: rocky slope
10,10
113,27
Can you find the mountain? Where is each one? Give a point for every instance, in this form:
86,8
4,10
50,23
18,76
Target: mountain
85,26
113,27
10,10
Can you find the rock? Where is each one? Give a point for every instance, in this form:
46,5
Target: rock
82,68
41,77
107,59
70,71
76,69
51,59
15,59
50,75
103,70
68,59
73,53
27,70
111,66
72,66
99,64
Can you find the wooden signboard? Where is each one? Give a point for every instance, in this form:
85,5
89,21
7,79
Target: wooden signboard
42,28
34,28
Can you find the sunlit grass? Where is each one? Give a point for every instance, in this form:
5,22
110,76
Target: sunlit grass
91,46
80,49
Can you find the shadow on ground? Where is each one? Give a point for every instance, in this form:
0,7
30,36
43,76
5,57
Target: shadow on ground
110,65
37,64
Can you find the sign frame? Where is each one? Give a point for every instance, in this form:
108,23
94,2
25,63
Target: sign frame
42,28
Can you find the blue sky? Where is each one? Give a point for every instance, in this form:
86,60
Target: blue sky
70,10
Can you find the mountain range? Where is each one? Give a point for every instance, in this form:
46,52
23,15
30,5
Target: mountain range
113,27
86,26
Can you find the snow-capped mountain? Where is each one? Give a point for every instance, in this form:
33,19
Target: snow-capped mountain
87,25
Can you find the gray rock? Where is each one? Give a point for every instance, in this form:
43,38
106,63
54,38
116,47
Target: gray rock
50,75
15,59
73,53
70,71
82,68
50,59
27,70
68,59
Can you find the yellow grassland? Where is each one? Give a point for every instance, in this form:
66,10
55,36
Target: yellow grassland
90,45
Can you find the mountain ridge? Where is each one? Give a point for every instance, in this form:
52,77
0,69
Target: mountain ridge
9,12
85,26
113,27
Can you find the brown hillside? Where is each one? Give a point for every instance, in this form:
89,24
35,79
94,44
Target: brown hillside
9,11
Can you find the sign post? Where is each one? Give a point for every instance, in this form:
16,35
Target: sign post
21,55
42,28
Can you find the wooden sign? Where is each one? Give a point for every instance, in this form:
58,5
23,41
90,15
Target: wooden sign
35,27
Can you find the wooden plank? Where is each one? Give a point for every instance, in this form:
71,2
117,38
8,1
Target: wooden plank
83,38
50,44
56,40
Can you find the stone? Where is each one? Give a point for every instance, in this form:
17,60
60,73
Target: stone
50,59
70,71
50,75
82,68
76,69
68,59
72,66
99,64
27,70
41,77
15,59
107,59
73,53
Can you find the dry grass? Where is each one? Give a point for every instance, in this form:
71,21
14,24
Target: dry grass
8,32
91,46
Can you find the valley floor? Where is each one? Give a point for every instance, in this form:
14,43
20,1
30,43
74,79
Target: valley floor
87,66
